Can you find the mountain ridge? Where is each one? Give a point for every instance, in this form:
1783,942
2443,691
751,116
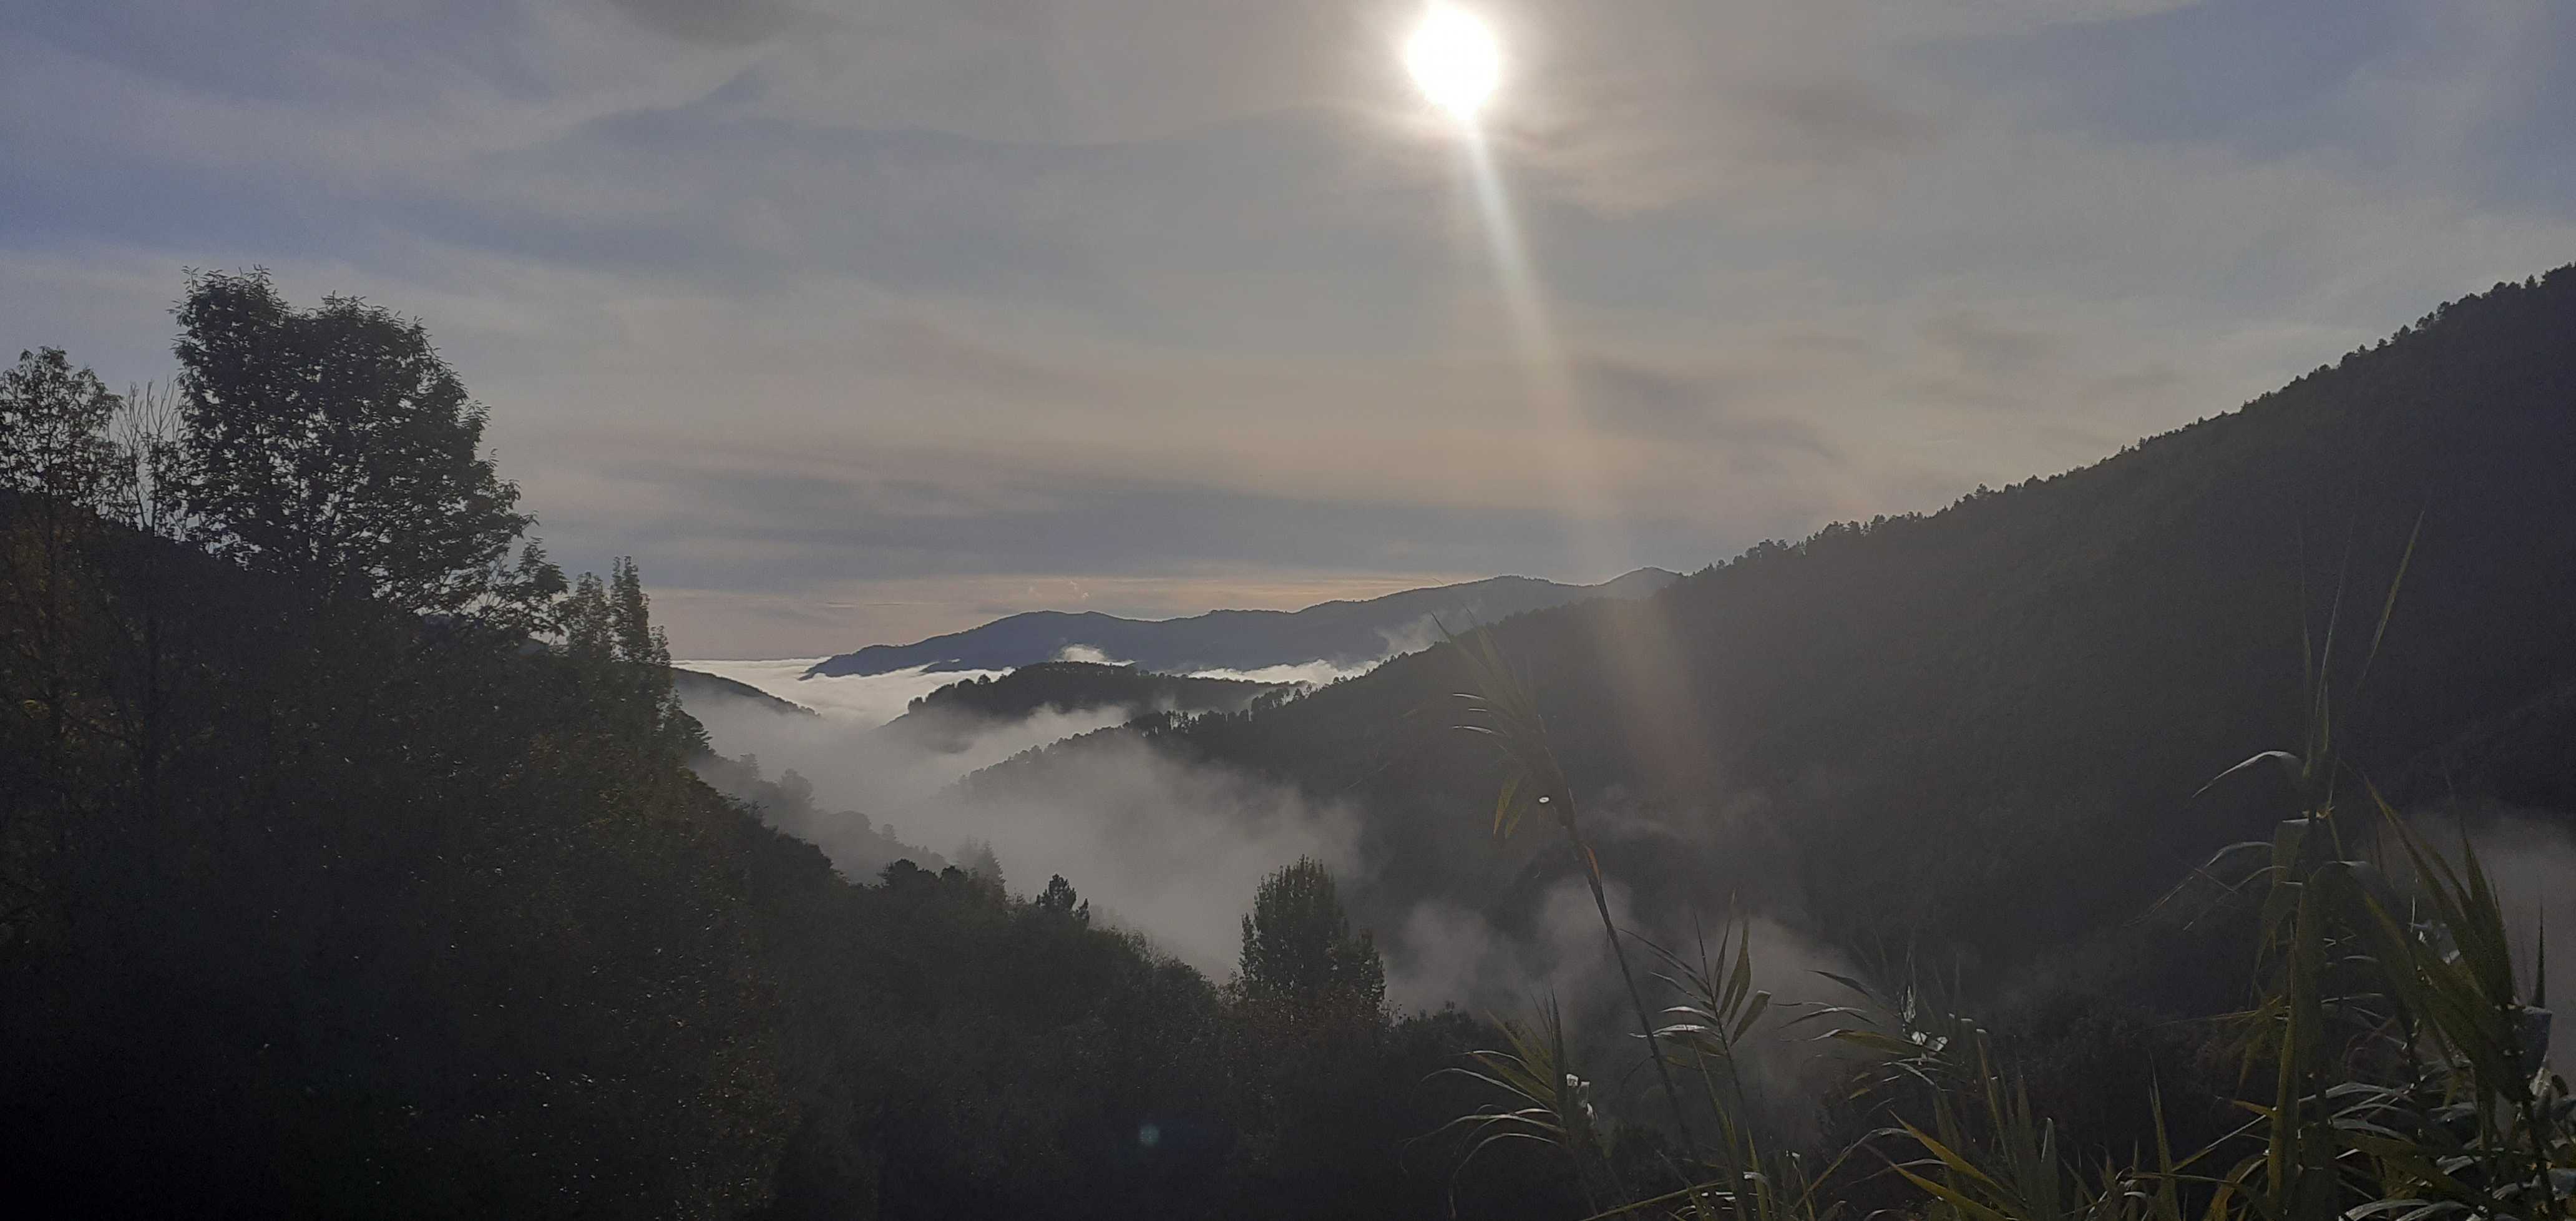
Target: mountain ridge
1937,725
1341,632
699,686
948,719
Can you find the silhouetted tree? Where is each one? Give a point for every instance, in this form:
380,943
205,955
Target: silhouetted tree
1059,898
146,432
336,446
53,431
607,627
587,622
55,456
977,859
1298,945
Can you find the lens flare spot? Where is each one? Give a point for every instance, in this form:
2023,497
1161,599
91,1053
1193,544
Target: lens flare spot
1455,60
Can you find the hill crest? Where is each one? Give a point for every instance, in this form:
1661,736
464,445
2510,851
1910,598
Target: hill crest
1340,633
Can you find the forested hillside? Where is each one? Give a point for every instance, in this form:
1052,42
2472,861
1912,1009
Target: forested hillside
351,864
1982,729
699,685
950,716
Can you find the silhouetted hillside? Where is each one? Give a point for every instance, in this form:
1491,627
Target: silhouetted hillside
697,686
1341,633
943,719
1983,727
324,893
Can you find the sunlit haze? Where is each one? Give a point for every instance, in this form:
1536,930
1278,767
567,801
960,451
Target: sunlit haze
862,323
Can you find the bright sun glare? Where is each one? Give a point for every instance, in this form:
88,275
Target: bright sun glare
1456,60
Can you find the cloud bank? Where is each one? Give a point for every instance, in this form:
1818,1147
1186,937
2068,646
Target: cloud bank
864,701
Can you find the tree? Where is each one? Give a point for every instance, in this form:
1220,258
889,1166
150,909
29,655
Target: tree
54,441
638,640
146,432
336,446
1298,945
56,455
587,622
1060,899
608,627
977,859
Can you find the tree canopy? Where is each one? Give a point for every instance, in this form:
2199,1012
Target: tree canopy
1298,944
54,441
335,446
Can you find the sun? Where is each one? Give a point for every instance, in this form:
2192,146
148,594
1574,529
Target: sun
1455,59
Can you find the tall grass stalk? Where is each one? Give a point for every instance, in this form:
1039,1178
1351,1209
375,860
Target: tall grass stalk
1502,708
1547,1102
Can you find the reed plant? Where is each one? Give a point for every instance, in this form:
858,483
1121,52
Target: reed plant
2393,1066
1502,708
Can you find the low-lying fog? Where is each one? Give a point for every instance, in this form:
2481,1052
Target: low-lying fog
1175,850
1169,850
864,700
1172,850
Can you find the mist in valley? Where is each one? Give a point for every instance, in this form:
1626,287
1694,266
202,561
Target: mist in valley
867,700
1173,850
1169,850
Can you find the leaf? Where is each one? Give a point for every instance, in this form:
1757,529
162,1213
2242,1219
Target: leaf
2288,761
2388,610
1855,985
1752,1013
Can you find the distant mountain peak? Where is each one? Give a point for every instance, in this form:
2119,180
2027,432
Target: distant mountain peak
1341,633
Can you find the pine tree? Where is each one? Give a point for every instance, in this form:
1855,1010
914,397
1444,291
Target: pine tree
1059,898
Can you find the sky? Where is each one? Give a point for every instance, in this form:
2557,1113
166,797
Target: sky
861,321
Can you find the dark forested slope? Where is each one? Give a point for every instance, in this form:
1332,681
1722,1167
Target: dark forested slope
947,718
1984,726
330,915
325,892
700,687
